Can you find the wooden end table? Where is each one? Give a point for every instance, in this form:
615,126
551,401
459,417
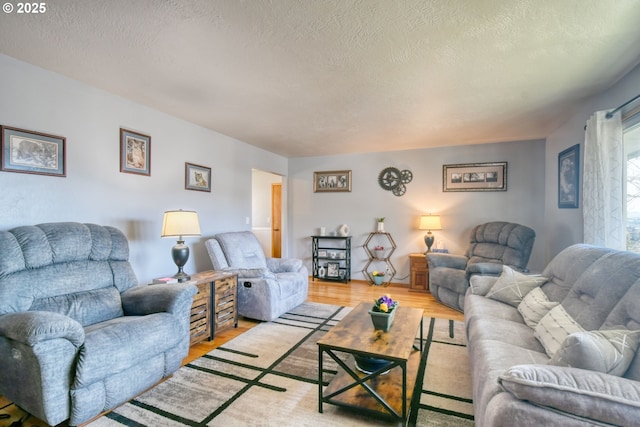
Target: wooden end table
387,391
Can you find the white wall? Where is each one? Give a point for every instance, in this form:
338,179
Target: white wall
460,212
95,190
564,227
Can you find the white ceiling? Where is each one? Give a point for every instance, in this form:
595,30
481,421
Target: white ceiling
318,77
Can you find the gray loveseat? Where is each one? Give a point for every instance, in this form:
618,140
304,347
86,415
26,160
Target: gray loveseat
563,353
78,336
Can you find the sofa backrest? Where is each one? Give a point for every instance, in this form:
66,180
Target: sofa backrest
626,314
236,249
501,242
567,266
75,269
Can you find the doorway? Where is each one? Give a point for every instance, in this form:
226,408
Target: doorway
267,211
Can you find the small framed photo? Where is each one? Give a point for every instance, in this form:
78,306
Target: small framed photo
197,177
475,177
569,177
333,269
135,152
331,181
25,151
322,253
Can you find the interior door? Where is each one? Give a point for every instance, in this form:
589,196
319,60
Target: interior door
276,220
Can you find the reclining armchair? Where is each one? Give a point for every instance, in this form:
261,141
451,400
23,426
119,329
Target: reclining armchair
493,245
267,287
78,335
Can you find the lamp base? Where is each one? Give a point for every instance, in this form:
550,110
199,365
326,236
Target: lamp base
180,255
428,240
182,277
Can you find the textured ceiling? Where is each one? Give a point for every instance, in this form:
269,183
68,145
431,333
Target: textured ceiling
316,77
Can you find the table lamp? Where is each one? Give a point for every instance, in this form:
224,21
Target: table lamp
429,222
180,224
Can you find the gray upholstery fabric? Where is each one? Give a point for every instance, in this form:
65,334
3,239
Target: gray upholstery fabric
513,384
492,245
78,335
267,287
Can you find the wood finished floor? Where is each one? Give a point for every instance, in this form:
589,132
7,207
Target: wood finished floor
346,294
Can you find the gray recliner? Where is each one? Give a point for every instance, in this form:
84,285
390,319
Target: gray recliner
267,287
78,335
493,245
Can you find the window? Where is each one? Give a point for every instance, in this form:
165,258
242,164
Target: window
631,139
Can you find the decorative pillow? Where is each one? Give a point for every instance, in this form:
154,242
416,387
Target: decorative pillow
512,286
593,395
608,351
554,327
481,285
534,306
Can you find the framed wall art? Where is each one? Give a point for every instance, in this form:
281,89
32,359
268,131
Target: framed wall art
569,177
135,152
475,177
25,151
331,181
197,177
333,269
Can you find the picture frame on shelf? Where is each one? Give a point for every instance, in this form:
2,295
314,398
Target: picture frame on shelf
333,269
322,253
475,177
332,181
196,177
25,151
569,178
135,152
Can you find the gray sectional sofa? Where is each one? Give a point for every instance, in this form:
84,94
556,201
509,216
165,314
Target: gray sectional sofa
78,334
558,349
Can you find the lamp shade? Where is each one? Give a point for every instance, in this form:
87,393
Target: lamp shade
430,222
180,223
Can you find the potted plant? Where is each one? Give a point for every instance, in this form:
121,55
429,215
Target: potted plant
380,224
378,277
379,251
383,312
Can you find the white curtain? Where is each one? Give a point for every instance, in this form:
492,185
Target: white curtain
603,186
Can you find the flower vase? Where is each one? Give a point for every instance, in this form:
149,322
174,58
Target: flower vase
378,280
381,320
379,253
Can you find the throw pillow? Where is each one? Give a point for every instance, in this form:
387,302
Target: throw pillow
481,285
512,286
608,351
593,395
554,327
534,306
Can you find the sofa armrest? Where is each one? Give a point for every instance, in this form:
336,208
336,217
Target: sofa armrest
484,268
147,299
33,327
252,273
435,260
594,395
284,265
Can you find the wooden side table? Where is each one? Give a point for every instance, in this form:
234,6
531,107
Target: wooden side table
419,273
215,306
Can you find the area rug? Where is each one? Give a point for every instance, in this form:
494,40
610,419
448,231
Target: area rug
268,376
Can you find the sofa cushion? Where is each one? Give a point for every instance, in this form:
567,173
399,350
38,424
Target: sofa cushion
104,353
534,306
554,327
610,351
588,394
512,286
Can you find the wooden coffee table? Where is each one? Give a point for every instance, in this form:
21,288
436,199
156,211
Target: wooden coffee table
388,390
